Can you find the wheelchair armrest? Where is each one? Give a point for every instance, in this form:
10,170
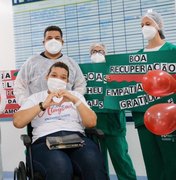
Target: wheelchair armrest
94,132
26,140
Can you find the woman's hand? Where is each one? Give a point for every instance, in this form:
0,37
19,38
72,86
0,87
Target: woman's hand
87,115
49,100
64,94
67,96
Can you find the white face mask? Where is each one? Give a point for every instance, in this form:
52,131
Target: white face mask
97,58
54,84
53,46
149,32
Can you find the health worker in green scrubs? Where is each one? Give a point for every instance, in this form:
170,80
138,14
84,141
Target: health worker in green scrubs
113,124
159,152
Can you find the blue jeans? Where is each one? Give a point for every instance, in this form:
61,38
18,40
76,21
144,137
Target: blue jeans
61,164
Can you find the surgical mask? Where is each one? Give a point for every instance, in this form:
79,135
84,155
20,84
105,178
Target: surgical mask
149,32
53,46
54,84
97,58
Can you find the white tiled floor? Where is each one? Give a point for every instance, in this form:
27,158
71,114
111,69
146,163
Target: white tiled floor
9,176
113,177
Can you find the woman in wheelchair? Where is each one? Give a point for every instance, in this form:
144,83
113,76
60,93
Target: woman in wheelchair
59,112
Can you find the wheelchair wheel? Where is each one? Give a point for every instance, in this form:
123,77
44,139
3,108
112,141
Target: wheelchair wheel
15,174
21,173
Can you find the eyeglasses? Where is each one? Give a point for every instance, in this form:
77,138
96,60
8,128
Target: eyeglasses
98,51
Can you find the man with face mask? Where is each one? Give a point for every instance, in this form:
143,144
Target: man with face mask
113,124
158,152
31,77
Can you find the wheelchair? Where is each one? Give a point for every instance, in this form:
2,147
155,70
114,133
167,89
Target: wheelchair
25,170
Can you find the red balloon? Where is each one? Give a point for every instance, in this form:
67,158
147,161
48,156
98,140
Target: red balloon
160,119
159,83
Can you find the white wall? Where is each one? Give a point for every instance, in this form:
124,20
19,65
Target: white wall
12,147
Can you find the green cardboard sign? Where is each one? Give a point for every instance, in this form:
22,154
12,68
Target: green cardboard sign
126,70
95,75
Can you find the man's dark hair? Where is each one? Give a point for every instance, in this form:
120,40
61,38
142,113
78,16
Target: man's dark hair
53,28
61,65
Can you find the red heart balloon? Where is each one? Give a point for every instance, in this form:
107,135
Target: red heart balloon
160,119
159,83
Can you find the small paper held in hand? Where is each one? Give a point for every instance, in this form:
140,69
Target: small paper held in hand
64,142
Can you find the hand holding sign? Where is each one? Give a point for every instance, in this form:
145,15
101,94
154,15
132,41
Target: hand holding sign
159,83
160,119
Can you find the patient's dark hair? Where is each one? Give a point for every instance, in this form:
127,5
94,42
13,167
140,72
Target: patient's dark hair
59,64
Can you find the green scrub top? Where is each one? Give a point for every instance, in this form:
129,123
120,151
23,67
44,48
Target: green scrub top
139,116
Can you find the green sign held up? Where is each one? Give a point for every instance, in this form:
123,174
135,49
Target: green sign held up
124,91
95,75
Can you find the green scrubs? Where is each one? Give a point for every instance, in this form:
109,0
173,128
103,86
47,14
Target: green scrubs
159,152
113,124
